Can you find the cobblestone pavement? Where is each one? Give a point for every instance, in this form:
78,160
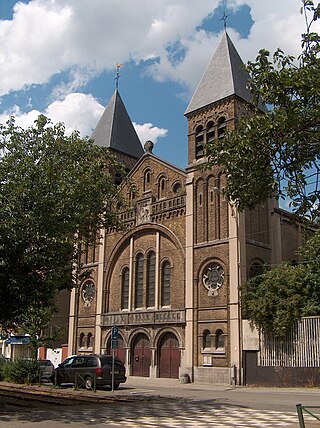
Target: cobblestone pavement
157,412
145,403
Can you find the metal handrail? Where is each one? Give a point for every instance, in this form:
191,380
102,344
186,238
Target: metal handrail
78,384
301,409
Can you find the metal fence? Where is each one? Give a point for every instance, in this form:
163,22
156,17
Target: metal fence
300,349
309,410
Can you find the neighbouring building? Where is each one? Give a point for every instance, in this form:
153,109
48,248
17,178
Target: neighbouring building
170,281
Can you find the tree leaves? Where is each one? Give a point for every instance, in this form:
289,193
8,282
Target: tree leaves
277,153
54,192
274,300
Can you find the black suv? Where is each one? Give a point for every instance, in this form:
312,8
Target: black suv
85,369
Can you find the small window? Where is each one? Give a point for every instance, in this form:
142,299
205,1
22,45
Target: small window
147,180
222,127
125,288
177,188
162,187
199,143
206,339
165,284
132,193
210,132
219,339
89,340
200,199
139,281
151,275
81,340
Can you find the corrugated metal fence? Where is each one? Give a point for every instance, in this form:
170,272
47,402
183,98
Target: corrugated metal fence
300,349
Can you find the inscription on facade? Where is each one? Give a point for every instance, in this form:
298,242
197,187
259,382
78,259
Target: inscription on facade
137,318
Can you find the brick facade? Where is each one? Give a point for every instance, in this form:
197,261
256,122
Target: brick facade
170,280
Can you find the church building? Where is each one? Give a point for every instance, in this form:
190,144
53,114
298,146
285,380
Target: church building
169,281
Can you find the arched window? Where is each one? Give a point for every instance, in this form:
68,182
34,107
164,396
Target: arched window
206,339
219,339
256,268
162,187
89,340
165,284
199,142
125,288
147,180
177,187
138,298
132,194
221,127
151,275
81,340
210,132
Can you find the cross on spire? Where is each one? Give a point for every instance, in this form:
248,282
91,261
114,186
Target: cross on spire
118,66
224,19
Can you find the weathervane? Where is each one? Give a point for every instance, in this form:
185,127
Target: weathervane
118,66
224,18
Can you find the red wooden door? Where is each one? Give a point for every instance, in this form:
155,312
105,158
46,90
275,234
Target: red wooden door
141,356
169,356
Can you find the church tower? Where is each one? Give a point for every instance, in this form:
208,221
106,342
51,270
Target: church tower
116,132
215,244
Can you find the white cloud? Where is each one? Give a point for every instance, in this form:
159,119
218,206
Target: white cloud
78,112
48,36
148,131
85,37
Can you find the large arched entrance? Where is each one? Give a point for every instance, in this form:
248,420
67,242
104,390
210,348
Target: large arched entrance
141,356
120,352
169,356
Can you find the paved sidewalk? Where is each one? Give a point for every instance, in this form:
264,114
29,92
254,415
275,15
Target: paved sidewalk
180,405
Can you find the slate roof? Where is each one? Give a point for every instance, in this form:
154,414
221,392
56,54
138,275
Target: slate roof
115,129
224,76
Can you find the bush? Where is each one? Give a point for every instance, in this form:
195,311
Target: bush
21,371
3,362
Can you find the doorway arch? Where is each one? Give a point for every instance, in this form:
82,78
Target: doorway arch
141,355
169,356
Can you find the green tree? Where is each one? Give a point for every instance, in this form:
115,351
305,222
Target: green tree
277,153
54,195
274,300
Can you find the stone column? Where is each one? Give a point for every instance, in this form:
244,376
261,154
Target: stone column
189,333
99,294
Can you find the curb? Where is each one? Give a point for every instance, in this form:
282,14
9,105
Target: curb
9,393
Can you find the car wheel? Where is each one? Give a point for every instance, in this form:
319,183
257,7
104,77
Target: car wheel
116,385
88,383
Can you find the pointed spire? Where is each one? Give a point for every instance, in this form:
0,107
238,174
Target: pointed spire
115,129
224,76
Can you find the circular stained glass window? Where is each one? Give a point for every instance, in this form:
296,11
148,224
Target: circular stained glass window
88,293
213,278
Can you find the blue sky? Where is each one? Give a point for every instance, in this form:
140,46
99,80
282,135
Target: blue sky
58,57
